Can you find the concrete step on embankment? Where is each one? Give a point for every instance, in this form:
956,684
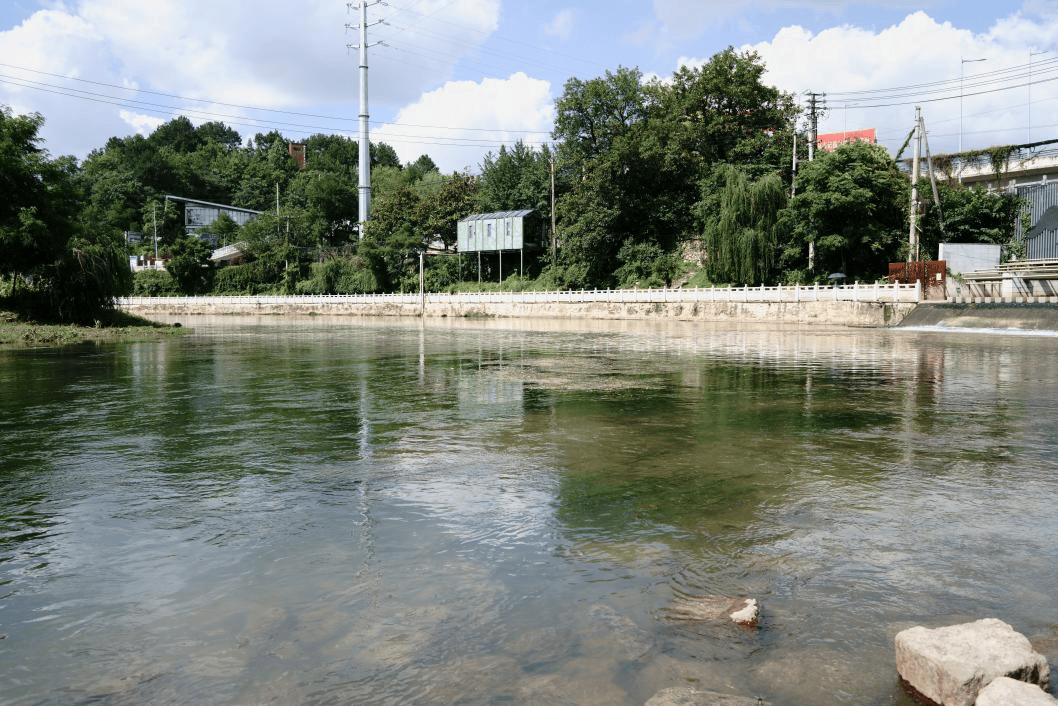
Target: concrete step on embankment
1025,317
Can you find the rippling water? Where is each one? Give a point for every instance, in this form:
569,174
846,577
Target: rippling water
328,511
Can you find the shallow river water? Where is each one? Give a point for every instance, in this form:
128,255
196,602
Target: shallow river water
329,511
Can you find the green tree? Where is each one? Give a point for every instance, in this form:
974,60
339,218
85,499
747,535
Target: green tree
722,112
971,215
226,229
618,197
636,156
339,275
393,239
438,216
91,272
164,218
266,166
62,265
282,246
741,240
515,179
190,265
851,203
382,155
36,212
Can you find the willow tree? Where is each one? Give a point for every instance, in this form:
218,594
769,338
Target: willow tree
742,238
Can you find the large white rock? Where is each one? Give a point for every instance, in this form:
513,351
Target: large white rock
1004,691
950,665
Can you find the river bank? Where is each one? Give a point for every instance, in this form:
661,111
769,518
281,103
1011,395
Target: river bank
838,312
15,332
841,313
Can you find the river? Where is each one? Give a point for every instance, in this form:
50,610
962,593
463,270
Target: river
338,511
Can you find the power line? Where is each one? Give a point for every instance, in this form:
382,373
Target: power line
951,84
134,102
921,93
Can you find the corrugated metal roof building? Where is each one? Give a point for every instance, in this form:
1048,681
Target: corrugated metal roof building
499,232
503,230
1041,241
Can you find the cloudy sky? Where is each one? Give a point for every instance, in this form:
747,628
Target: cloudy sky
456,78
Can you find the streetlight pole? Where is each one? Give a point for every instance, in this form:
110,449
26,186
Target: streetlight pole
962,71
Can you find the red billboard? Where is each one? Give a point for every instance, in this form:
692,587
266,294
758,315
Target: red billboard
832,140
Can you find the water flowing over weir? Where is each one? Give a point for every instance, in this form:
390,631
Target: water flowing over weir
322,509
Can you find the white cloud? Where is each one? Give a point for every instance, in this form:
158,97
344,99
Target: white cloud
56,43
142,124
461,121
923,56
221,51
561,25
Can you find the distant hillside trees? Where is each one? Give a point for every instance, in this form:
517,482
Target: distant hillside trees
641,173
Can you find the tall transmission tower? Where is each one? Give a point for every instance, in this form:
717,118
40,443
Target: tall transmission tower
364,148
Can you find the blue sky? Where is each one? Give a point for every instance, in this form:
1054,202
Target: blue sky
455,79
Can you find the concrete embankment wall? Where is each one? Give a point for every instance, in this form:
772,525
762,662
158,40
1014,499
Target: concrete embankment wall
829,313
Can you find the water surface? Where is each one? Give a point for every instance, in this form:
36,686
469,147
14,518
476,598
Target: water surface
333,511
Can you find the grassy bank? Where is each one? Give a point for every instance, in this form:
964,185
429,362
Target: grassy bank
121,327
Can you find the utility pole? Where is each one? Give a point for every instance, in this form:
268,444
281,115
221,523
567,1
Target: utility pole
364,147
814,105
554,235
912,251
932,175
813,130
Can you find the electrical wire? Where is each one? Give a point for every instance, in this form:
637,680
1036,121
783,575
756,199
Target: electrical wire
345,124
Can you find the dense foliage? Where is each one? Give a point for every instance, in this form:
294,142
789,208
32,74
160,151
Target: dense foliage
55,263
642,173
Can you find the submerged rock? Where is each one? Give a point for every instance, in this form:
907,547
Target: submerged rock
951,665
743,611
623,638
686,696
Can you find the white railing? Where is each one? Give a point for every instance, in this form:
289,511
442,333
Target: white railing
783,294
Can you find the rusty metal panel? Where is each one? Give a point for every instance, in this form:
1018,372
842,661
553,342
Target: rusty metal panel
933,276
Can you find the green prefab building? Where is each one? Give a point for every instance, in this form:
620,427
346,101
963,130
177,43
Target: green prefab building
503,231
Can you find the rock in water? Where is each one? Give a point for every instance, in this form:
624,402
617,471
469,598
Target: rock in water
744,611
1004,691
685,696
950,665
